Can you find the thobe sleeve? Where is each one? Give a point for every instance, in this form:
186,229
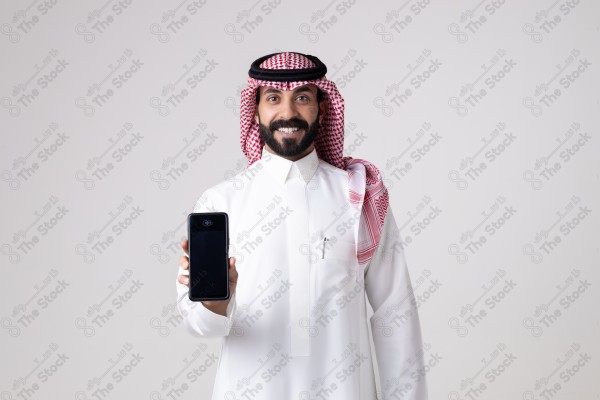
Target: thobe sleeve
395,322
198,319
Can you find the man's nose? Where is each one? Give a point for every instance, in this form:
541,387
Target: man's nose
288,109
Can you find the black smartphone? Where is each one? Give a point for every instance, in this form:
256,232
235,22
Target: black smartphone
208,242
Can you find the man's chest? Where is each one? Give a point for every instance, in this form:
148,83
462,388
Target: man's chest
314,216
280,231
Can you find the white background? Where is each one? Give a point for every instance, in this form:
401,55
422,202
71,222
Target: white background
499,210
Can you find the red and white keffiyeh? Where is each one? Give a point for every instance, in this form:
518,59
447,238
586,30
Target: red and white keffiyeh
329,145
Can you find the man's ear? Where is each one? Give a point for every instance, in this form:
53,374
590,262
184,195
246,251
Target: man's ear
323,108
256,105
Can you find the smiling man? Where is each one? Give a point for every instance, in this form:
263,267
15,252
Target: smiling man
312,237
294,134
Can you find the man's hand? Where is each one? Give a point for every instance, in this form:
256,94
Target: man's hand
217,306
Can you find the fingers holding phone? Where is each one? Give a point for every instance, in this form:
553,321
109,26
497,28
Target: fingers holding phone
218,306
211,274
184,262
233,275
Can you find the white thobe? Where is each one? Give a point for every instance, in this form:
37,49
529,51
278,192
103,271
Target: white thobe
297,326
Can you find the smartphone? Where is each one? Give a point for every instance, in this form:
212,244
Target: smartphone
208,242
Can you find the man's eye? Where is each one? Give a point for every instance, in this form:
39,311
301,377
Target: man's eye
303,98
271,98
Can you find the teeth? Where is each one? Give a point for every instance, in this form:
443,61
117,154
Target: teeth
287,130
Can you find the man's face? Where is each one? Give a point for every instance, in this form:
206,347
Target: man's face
289,120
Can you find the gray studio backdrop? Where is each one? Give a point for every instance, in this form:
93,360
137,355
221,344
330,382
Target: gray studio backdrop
482,116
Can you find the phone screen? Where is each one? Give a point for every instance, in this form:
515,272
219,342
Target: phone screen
207,249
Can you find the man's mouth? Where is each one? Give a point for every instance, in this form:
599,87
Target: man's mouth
289,131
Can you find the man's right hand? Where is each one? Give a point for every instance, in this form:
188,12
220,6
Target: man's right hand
216,306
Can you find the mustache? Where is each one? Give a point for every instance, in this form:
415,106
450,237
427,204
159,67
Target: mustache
290,123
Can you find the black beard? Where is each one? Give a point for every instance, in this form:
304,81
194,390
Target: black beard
289,147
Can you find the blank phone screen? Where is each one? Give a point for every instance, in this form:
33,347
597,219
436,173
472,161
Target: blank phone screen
208,257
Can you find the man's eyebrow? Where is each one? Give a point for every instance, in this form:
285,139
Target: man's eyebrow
297,90
302,89
271,90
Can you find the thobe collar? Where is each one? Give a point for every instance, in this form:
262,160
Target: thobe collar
282,169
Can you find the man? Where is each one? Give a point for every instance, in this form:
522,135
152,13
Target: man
312,232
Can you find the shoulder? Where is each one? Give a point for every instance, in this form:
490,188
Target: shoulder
218,193
331,169
221,194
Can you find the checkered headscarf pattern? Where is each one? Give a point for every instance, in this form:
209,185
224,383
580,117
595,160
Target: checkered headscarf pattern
329,145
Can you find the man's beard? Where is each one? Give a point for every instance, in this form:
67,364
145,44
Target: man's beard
289,147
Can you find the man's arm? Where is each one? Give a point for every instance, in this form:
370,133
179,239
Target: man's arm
395,322
198,319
